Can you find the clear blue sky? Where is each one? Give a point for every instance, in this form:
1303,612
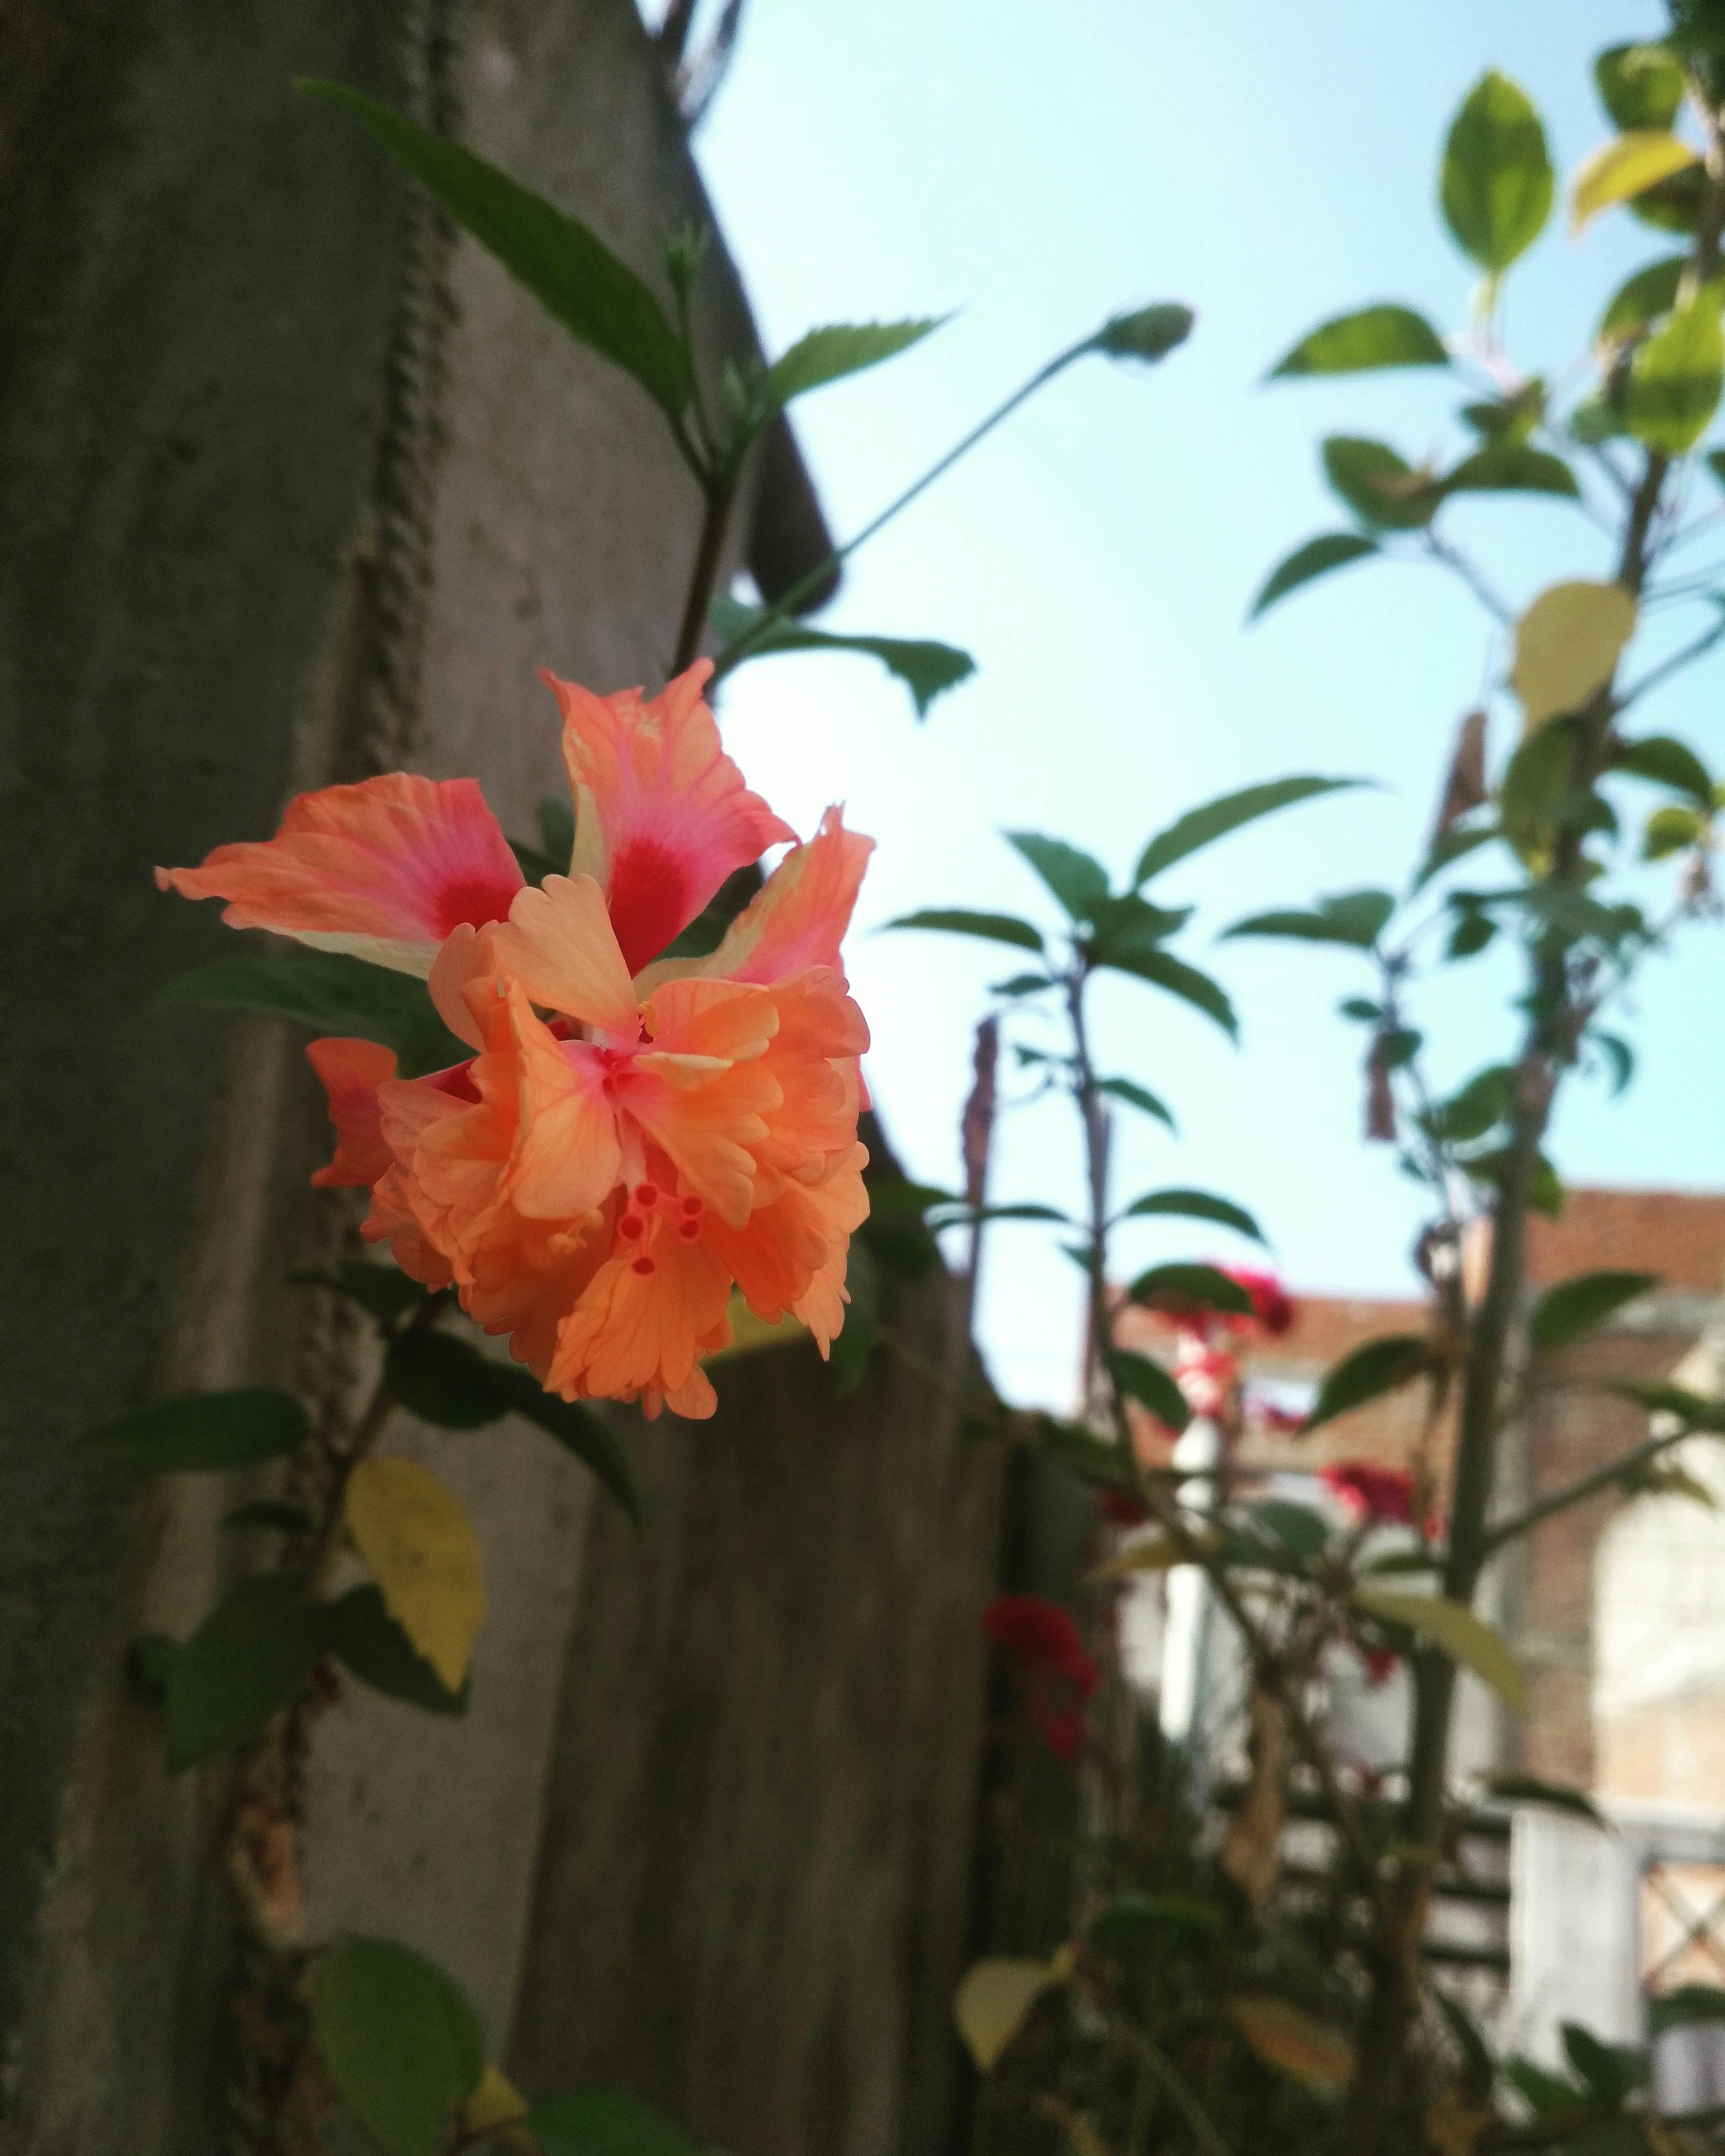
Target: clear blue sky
1038,166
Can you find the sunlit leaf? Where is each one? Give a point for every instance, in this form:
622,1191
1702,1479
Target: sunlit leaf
1386,336
1202,827
959,921
1640,85
1369,1371
1331,550
1512,468
1677,376
206,1433
574,277
926,668
245,1662
1670,831
1287,2038
1379,485
414,1533
827,355
1620,170
1454,1627
1497,183
1574,1306
401,2043
993,2003
1566,646
1079,883
1142,1378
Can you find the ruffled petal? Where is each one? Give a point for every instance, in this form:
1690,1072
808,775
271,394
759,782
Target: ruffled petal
648,1314
559,944
566,1160
662,815
800,917
351,1071
384,870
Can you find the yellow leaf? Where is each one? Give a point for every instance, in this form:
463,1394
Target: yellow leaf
496,2101
1454,1627
1567,644
1292,2042
992,2001
1624,168
412,1531
1454,2126
749,1333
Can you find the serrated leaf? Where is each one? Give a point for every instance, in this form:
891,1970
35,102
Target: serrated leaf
1574,1306
244,1663
445,1381
1079,883
1641,300
1640,85
1369,1371
401,2043
1136,1096
1163,971
993,2003
1289,2040
1385,335
1496,185
1675,377
1194,1205
1379,485
1666,763
1142,1378
926,668
567,267
1330,549
1355,918
387,1295
1566,646
1512,468
827,355
1452,1626
414,1533
1230,812
331,994
1149,334
206,1433
363,1635
959,921
1619,171
603,2123
1177,1285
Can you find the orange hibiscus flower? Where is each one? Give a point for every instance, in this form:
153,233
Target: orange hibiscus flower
635,1135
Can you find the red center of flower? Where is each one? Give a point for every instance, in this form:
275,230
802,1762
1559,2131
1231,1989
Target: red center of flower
649,900
478,899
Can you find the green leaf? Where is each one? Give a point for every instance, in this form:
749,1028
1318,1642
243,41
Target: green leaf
1675,204
1174,1287
1142,1378
1079,883
1641,300
1510,418
1385,335
1666,763
555,816
1474,1108
374,1646
1610,2072
331,994
387,1293
1126,1919
567,267
1452,1626
1554,1796
860,1333
1150,334
1354,917
445,1381
827,355
600,2124
1163,970
1512,468
926,668
1378,485
245,1662
1677,376
1202,827
1640,85
1295,1531
1670,831
1496,183
1619,1057
206,1433
1195,1205
1375,1368
1685,2005
402,2045
974,1215
1021,984
1331,550
1137,1096
577,1429
1574,1306
958,921
1621,170
1128,926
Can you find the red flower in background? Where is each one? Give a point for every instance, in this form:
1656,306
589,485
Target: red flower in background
1272,1306
1373,1493
1055,1675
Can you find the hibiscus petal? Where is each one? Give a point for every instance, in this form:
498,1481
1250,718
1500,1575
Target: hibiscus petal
351,1071
384,870
662,815
641,1324
559,944
566,1159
